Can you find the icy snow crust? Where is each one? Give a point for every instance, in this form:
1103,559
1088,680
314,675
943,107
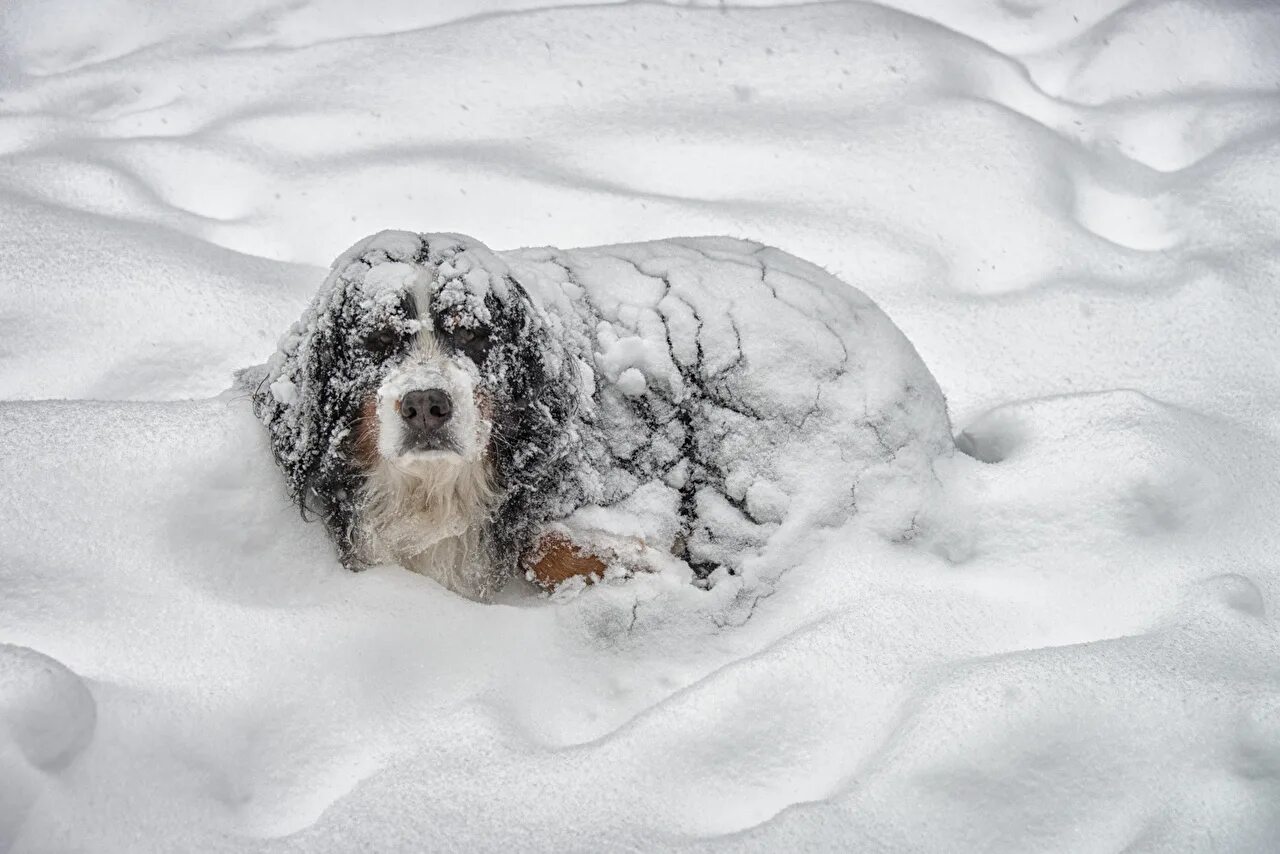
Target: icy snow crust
1069,208
696,396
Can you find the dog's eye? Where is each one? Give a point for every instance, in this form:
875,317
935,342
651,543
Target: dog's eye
382,340
473,342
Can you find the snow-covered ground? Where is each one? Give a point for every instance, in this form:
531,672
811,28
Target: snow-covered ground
1071,208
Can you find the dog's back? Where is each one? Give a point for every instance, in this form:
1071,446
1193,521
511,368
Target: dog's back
734,391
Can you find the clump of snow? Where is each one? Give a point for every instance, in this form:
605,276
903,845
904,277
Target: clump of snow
47,717
631,382
1068,209
46,709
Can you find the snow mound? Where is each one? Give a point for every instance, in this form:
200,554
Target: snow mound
47,710
1074,748
47,717
1104,466
171,322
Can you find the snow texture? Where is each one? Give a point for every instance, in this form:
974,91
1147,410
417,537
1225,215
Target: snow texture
1067,206
700,396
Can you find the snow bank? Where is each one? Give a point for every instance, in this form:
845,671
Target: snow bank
1069,209
100,307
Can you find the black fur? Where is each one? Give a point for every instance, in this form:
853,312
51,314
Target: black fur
338,361
533,394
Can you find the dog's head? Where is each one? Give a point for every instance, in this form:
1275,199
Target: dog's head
423,360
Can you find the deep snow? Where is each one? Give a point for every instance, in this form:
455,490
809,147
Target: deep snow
1068,207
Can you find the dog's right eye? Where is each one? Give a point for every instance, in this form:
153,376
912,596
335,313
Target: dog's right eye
382,340
473,342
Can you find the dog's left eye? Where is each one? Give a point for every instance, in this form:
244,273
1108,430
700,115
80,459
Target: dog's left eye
382,340
473,342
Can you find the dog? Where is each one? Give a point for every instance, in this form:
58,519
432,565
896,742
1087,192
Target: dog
474,415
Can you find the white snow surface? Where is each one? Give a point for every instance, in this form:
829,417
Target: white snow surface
1068,206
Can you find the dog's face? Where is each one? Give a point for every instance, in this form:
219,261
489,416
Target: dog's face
427,409
422,375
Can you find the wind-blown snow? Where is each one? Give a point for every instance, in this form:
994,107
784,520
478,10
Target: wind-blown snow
1067,207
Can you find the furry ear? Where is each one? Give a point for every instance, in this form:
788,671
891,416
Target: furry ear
309,406
315,383
310,398
534,452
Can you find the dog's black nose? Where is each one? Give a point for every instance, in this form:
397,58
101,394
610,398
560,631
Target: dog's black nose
428,408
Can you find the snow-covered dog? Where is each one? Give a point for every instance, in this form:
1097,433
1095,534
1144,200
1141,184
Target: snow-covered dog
468,414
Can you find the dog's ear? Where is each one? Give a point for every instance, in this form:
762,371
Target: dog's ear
326,365
534,455
309,404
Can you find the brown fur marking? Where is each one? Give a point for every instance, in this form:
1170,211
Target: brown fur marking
367,433
556,560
